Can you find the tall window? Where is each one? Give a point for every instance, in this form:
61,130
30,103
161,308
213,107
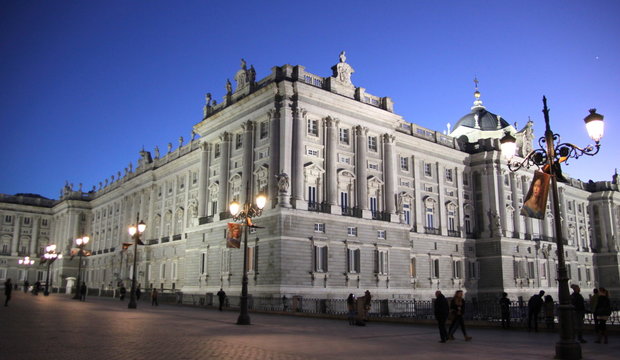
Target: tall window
264,129
449,177
352,231
373,204
311,194
344,136
238,141
252,255
174,271
353,261
428,169
320,258
451,217
457,269
313,127
407,213
473,269
468,227
413,271
404,163
381,262
344,200
530,270
435,268
216,150
430,214
320,228
372,143
203,263
162,271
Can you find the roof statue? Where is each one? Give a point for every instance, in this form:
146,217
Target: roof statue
342,71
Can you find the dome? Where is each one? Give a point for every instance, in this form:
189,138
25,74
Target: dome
487,121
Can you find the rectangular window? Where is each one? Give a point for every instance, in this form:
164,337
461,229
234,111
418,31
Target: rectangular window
451,221
373,204
8,219
264,129
578,274
311,194
407,213
26,221
353,261
313,152
216,150
319,228
372,143
352,231
413,272
435,268
473,269
344,159
238,141
430,218
44,222
457,269
313,127
530,270
203,263
428,169
542,270
373,166
404,163
468,227
381,234
588,275
449,175
2,274
162,271
381,262
320,258
251,264
568,271
344,200
344,136
174,271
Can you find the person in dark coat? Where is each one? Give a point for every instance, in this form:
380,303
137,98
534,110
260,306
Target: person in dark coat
457,311
8,288
221,296
549,310
26,286
533,309
83,289
602,313
504,306
123,291
442,310
154,295
138,292
351,309
579,305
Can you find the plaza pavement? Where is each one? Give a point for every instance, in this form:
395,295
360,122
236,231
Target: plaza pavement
58,327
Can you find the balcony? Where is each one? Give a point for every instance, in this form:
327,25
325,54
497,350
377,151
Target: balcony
152,242
380,215
205,220
165,239
176,237
454,233
432,231
319,207
353,212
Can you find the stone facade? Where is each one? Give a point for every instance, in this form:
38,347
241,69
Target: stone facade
359,198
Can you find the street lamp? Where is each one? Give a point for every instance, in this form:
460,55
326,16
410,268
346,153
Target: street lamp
550,155
245,214
80,242
135,230
28,262
50,256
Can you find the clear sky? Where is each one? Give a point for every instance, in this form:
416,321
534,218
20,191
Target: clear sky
85,84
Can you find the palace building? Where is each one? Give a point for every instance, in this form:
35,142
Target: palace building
358,198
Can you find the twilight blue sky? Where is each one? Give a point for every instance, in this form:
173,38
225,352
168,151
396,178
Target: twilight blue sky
85,84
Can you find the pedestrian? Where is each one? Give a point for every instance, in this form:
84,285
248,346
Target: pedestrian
8,288
533,309
221,296
549,311
504,306
26,286
351,309
579,306
442,310
367,298
284,303
457,311
37,288
138,293
83,289
123,291
154,295
602,312
593,302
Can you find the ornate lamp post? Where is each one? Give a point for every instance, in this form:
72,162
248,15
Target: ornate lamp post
551,153
245,214
28,262
135,231
50,256
81,242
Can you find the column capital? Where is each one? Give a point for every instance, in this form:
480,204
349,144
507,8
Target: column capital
388,139
247,125
331,121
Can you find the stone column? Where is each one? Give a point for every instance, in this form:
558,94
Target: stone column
248,154
458,178
501,198
286,141
297,174
203,180
222,201
515,205
35,236
361,171
528,221
486,201
564,214
16,233
418,201
441,199
274,155
331,175
389,175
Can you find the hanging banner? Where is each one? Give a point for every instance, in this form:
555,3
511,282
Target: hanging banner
233,236
536,200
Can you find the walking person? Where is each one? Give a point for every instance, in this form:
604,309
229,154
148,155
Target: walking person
593,302
154,295
37,288
26,286
351,309
83,289
504,306
123,291
579,306
549,311
602,312
442,310
8,288
457,310
367,298
533,309
221,296
138,293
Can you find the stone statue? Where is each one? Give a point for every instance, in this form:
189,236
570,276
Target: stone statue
193,135
614,178
112,178
106,182
180,141
342,71
80,187
252,74
130,167
208,99
169,148
282,182
118,175
228,86
156,152
100,185
495,226
243,64
93,189
343,57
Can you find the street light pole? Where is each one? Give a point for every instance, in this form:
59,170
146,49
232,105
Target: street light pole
135,231
550,157
245,215
81,242
50,256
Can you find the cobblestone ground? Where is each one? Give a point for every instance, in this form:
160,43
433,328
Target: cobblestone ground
57,327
